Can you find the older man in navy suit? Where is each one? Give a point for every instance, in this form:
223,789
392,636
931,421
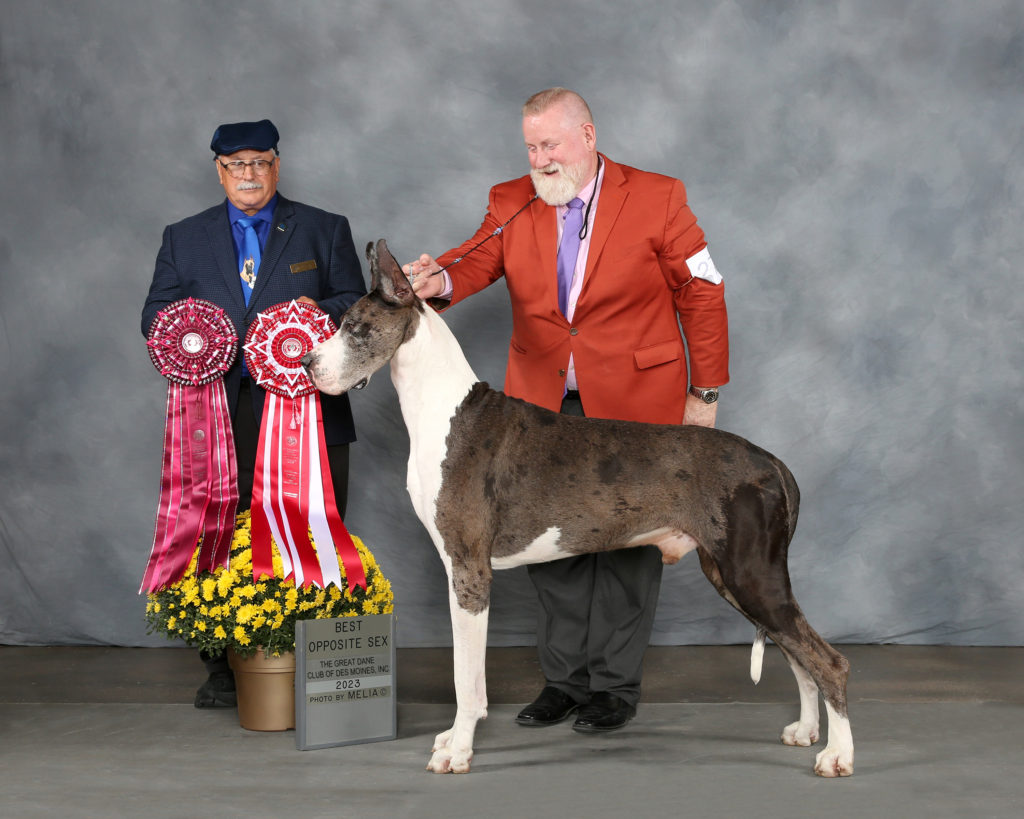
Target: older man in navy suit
250,252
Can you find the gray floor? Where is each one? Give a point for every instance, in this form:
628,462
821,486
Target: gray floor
110,732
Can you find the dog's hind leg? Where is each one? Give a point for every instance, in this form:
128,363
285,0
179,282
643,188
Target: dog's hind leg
453,749
804,731
815,664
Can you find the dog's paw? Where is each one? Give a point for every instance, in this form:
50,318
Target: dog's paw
445,760
800,733
834,762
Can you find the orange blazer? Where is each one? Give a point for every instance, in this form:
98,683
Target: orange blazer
629,355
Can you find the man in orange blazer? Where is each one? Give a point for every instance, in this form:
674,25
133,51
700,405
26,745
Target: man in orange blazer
596,307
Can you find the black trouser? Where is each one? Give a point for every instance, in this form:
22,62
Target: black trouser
596,614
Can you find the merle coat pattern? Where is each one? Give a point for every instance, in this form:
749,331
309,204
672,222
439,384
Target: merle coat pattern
499,482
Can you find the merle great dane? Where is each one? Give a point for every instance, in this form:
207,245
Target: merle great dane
490,480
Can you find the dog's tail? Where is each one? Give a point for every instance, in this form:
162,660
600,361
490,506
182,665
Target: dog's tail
757,656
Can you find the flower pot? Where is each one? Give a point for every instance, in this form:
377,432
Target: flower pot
266,690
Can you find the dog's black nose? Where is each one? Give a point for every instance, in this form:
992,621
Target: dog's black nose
306,360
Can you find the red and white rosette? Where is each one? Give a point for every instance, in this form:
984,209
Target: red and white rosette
193,343
292,488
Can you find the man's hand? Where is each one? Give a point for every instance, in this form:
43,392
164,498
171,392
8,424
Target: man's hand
307,300
698,413
419,273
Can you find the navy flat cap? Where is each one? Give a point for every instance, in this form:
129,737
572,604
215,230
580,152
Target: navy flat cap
238,136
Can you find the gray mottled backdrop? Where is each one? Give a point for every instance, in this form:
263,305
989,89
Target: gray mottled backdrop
857,168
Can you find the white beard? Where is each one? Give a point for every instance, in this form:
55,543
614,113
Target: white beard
563,188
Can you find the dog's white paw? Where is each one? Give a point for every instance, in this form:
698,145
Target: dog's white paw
445,760
804,734
834,762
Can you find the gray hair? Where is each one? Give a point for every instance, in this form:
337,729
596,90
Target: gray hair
543,100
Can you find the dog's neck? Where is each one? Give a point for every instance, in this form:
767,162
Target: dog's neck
431,376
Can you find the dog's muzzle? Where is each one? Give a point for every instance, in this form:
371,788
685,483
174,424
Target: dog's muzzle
308,362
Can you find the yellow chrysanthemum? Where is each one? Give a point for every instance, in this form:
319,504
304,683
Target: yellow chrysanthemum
246,592
226,582
228,607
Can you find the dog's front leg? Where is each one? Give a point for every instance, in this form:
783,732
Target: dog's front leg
453,749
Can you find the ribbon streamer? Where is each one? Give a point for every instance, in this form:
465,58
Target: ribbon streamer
292,489
192,343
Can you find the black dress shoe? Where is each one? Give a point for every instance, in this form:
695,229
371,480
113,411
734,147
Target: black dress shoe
604,712
218,691
551,707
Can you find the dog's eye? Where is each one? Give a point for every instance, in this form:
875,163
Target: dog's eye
359,331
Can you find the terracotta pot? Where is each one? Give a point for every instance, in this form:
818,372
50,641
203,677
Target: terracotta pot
266,690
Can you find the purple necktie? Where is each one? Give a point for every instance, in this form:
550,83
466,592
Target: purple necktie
568,250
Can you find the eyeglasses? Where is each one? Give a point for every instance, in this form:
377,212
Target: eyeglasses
236,167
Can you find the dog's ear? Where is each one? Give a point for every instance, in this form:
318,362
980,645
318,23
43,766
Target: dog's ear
386,276
371,257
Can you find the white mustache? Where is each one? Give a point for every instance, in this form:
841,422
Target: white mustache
249,186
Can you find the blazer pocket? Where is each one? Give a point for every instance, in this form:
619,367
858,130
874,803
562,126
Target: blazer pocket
655,354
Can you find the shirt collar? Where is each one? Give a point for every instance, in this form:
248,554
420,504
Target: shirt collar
264,214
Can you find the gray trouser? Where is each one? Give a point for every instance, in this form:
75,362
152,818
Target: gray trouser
596,615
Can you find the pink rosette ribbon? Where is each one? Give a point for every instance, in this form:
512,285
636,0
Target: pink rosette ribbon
292,489
192,343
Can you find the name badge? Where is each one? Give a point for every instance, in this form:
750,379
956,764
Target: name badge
302,267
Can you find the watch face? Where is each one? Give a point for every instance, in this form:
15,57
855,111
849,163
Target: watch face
709,396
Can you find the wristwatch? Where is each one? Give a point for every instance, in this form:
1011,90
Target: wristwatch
708,396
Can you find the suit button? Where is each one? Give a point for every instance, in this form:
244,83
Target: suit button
573,331
561,373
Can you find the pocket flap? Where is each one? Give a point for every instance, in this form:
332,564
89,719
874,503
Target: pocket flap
658,354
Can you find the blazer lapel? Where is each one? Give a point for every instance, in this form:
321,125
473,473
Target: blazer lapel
613,197
218,229
545,232
281,230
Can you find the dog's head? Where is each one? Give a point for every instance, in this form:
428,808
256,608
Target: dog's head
371,330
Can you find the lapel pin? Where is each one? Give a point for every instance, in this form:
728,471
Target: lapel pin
282,227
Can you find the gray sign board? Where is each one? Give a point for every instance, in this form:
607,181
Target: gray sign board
345,681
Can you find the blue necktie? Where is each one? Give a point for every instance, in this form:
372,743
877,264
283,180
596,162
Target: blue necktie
568,250
249,256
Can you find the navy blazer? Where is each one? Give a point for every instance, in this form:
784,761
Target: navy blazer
197,259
